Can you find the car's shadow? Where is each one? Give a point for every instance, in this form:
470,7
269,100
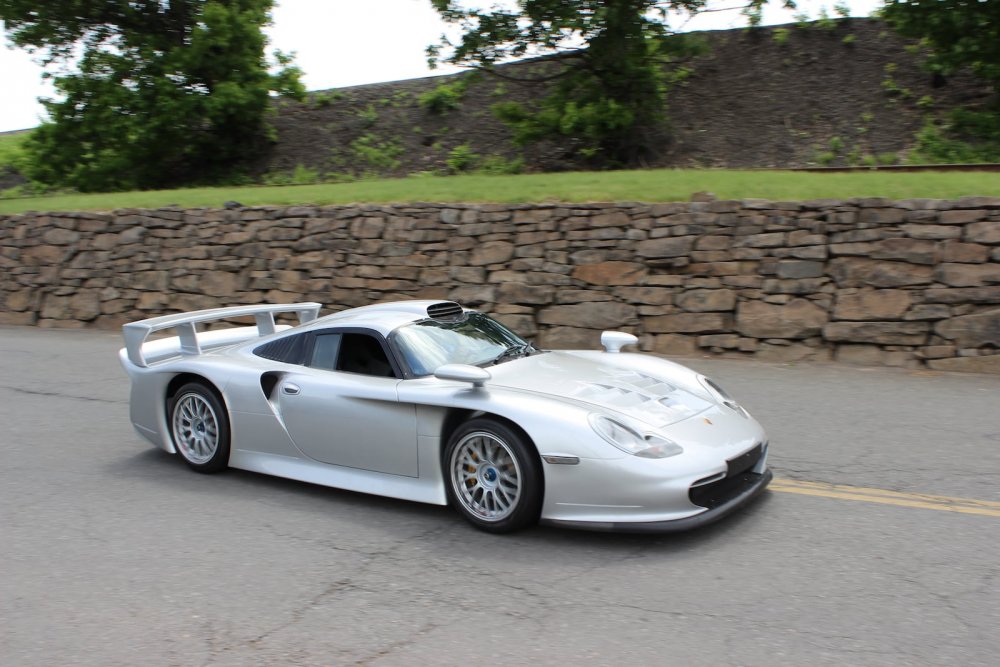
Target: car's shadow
399,517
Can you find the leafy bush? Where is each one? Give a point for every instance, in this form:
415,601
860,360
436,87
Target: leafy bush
376,155
301,175
400,98
368,115
12,154
964,136
497,165
461,158
590,123
16,192
825,21
826,158
444,98
320,100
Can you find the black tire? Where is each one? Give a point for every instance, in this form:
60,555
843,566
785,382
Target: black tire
199,428
493,476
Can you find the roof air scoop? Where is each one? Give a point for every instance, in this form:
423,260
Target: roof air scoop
445,310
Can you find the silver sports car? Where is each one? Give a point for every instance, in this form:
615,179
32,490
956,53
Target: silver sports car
428,401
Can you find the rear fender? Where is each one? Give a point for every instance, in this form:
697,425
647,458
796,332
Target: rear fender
149,394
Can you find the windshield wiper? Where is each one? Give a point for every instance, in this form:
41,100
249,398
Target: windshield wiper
512,352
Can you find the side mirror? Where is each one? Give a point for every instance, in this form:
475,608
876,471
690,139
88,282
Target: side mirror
463,373
614,341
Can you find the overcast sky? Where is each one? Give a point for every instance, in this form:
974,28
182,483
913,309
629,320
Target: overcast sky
342,43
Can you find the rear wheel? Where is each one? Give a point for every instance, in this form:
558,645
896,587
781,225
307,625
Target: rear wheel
493,476
200,428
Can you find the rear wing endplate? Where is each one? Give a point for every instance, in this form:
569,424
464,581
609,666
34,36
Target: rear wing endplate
136,333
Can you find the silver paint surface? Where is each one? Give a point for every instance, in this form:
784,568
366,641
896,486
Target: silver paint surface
384,436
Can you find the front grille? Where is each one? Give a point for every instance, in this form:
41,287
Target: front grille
744,462
737,480
721,492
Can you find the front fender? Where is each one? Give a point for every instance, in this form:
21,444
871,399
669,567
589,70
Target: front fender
553,425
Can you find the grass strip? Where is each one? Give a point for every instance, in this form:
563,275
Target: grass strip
656,185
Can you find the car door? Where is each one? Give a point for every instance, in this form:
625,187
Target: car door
342,407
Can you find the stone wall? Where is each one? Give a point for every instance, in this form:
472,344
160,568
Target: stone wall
872,281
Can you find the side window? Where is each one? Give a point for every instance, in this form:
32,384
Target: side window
361,353
350,353
325,350
288,350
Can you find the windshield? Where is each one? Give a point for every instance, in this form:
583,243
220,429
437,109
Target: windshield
476,340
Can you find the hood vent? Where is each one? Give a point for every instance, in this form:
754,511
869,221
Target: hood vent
641,396
445,310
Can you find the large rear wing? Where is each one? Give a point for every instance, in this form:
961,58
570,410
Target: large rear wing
185,324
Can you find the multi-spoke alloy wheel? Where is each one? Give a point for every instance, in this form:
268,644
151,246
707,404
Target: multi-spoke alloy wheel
199,428
486,476
493,476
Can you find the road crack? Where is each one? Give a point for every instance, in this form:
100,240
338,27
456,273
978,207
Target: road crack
54,394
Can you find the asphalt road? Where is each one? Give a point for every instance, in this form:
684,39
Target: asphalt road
113,553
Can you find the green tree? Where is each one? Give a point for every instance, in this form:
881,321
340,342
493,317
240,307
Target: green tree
962,33
152,93
607,98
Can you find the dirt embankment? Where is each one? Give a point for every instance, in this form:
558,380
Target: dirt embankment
787,96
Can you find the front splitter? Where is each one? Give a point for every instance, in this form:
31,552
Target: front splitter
677,525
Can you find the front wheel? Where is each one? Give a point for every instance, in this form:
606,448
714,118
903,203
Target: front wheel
493,476
200,428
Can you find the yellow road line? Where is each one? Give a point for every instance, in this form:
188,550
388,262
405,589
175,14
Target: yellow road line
886,497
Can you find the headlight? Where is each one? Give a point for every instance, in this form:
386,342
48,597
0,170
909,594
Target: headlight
722,396
629,441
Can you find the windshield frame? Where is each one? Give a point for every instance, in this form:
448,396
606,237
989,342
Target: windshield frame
515,340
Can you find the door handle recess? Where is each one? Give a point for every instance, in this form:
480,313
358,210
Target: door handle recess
290,389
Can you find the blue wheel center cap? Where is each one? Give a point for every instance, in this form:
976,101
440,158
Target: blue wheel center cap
490,474
199,427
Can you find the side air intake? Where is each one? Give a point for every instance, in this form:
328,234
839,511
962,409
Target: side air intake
445,310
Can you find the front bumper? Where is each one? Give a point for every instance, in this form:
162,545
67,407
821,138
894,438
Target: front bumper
753,486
